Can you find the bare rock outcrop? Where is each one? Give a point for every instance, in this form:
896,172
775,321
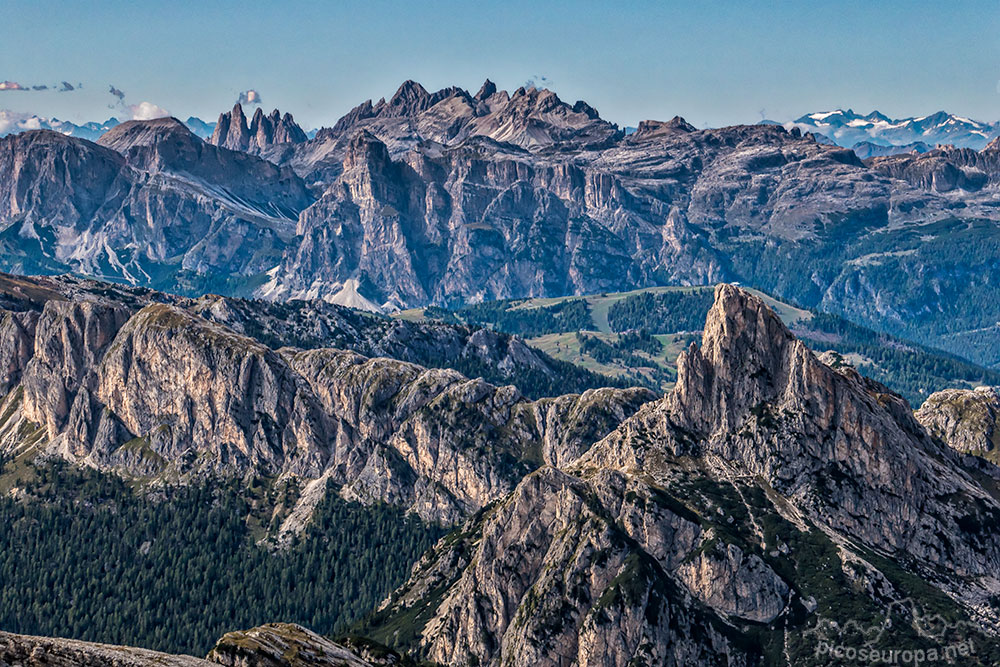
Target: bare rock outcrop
968,420
139,383
272,645
193,388
23,650
281,645
707,510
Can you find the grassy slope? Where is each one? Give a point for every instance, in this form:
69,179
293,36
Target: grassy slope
915,385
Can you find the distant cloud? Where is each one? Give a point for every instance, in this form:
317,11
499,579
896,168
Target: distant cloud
248,97
538,81
41,87
147,111
116,92
67,87
12,121
11,85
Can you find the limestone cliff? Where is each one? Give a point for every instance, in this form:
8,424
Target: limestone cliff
142,385
727,523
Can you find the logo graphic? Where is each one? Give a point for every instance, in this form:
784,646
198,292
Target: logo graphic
905,636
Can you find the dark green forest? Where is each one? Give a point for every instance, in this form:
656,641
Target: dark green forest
665,312
562,317
89,558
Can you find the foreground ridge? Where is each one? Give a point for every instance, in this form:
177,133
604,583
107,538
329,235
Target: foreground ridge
727,523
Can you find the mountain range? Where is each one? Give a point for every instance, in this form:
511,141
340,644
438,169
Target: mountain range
452,197
771,504
847,128
12,122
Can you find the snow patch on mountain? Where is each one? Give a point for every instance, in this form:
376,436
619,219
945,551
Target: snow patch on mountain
849,129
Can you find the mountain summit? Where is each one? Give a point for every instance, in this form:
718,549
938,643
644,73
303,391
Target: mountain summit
766,501
231,130
848,128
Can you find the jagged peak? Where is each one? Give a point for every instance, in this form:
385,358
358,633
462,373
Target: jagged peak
993,145
486,91
237,112
744,360
749,361
582,107
408,92
264,130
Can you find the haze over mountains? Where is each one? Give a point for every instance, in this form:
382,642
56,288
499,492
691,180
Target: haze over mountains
768,499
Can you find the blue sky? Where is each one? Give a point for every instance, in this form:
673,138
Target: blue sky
714,63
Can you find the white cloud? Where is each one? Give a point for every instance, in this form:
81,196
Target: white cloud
147,111
13,121
248,97
11,85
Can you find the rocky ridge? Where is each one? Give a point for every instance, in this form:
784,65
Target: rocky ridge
153,390
450,197
168,205
264,132
716,510
272,645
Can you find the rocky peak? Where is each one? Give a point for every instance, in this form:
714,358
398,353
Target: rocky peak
231,130
582,107
263,132
486,91
409,98
649,129
262,128
993,145
287,130
144,133
745,360
365,149
272,129
154,145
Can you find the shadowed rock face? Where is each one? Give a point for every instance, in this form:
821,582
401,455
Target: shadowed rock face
166,204
622,556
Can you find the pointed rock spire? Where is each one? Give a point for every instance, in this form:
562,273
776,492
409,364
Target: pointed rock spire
231,131
746,358
486,91
263,132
